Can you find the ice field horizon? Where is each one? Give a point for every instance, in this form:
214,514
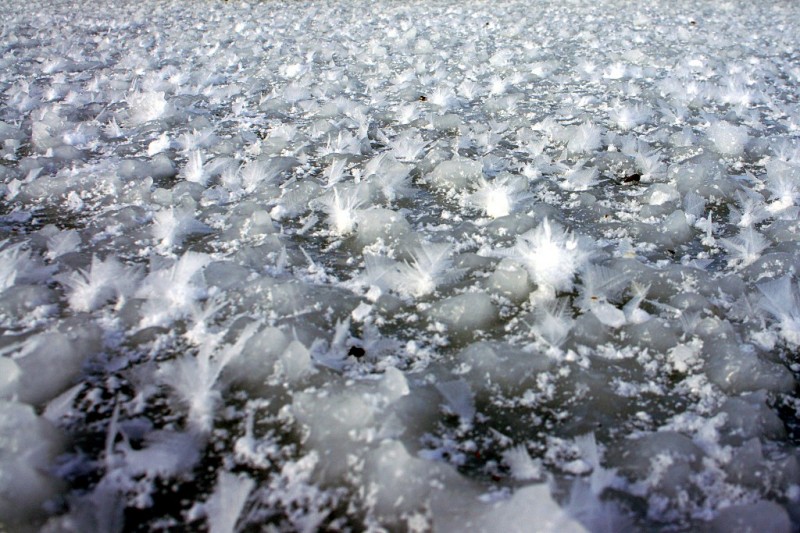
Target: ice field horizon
399,266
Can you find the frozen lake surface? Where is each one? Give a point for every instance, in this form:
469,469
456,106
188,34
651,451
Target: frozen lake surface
300,266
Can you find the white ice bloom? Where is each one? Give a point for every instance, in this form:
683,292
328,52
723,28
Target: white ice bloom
783,183
430,266
744,248
459,398
407,113
170,292
553,322
520,464
735,92
694,206
335,171
535,147
649,163
728,138
227,501
112,129
579,178
780,299
194,170
104,281
194,378
17,265
147,106
343,143
584,138
257,173
469,89
377,164
552,255
633,313
393,182
62,243
444,97
601,478
627,117
172,225
380,272
284,132
497,85
751,211
198,320
159,145
499,197
341,208
549,127
599,285
197,139
615,71
586,66
408,146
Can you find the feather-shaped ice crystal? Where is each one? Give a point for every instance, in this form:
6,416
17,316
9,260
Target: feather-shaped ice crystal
520,464
147,106
17,265
553,322
745,248
341,209
780,299
552,255
171,226
103,282
227,501
499,197
194,378
430,266
172,291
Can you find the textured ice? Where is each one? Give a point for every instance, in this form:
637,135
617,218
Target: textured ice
399,266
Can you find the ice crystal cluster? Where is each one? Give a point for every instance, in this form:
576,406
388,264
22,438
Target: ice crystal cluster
399,266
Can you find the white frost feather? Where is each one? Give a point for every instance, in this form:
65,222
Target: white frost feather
227,501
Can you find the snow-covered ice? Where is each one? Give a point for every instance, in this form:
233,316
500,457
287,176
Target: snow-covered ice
406,266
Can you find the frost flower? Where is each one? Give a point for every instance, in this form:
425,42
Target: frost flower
193,379
499,197
255,173
551,254
18,266
227,501
627,117
408,147
341,210
194,170
172,292
170,226
779,299
585,138
744,248
430,266
147,106
103,282
553,323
